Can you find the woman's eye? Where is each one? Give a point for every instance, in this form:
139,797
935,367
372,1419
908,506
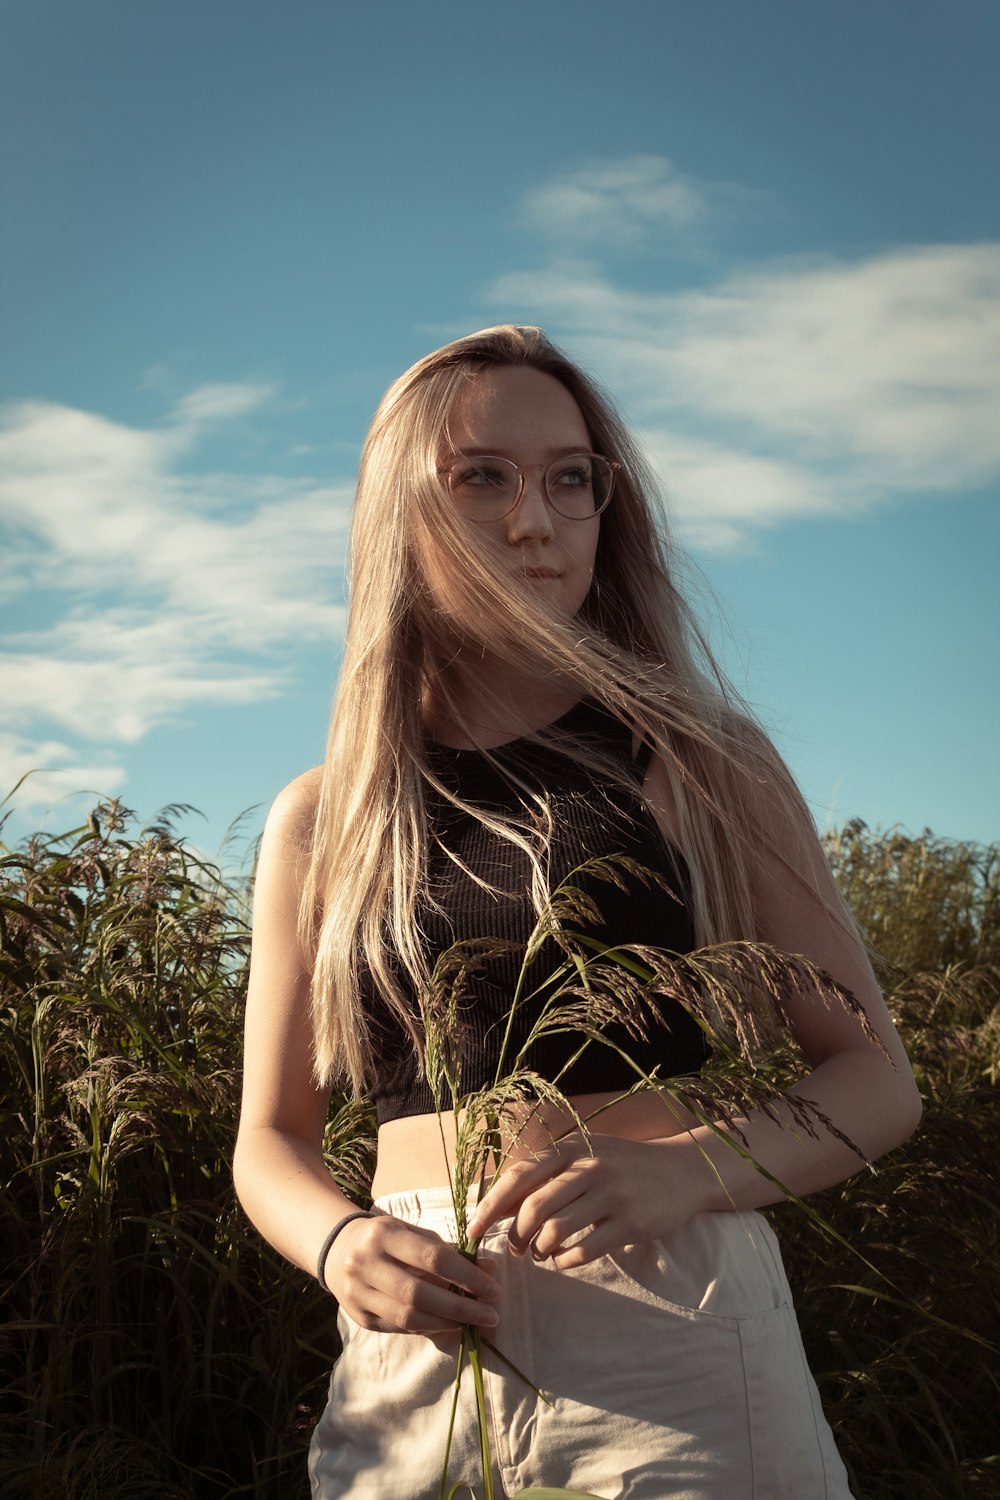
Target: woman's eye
576,477
481,476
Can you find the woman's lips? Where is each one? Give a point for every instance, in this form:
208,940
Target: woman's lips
540,573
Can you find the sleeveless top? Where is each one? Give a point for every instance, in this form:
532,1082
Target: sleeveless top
590,818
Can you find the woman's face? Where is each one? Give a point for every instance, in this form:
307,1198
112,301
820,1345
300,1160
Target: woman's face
525,415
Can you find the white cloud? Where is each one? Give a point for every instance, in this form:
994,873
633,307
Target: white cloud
212,577
213,403
716,494
631,203
802,388
95,504
56,772
103,685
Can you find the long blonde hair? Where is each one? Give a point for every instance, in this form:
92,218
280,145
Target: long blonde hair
634,647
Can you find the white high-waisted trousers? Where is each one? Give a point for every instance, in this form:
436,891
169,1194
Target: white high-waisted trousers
675,1370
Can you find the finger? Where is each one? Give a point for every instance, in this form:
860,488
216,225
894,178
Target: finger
460,1288
579,1183
436,1261
383,1314
504,1197
605,1239
419,1306
565,1225
416,1278
558,1200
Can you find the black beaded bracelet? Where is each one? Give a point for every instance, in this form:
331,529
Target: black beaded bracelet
359,1213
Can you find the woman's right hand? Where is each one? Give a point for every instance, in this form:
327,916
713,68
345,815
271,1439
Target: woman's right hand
394,1277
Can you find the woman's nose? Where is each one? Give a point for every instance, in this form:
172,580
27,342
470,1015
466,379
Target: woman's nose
532,515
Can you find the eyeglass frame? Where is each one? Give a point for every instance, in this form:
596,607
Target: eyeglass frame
612,464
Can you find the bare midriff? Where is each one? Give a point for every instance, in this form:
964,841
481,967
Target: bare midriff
418,1151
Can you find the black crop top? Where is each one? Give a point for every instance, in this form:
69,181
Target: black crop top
590,819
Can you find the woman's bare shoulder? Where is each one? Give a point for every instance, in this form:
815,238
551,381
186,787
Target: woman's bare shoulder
284,855
292,815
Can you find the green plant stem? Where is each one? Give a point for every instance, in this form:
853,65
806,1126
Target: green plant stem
475,1360
515,1369
454,1413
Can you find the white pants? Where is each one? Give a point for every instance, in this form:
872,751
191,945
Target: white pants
675,1370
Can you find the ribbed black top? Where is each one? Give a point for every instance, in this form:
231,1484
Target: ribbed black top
590,819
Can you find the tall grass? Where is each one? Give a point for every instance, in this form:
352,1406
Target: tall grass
913,1399
153,1346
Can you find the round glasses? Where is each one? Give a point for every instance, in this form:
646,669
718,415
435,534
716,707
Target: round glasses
487,488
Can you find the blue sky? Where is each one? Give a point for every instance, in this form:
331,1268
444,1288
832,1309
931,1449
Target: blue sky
771,229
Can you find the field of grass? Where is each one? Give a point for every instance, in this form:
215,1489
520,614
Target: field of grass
153,1348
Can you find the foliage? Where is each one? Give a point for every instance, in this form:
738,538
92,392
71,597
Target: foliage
153,1346
912,1398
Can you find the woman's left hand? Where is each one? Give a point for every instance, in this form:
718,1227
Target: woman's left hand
616,1192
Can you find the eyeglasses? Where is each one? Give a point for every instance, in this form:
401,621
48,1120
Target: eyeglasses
487,488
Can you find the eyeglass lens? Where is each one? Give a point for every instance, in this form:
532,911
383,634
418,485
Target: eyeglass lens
487,488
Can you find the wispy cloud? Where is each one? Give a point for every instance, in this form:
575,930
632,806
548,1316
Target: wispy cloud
214,403
795,388
629,203
112,681
718,495
65,773
211,577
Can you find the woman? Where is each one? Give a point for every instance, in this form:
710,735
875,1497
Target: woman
520,691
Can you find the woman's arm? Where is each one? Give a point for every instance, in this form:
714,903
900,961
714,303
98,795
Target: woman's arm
387,1274
868,1093
636,1190
278,1168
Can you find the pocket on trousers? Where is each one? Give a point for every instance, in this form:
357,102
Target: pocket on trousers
718,1266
